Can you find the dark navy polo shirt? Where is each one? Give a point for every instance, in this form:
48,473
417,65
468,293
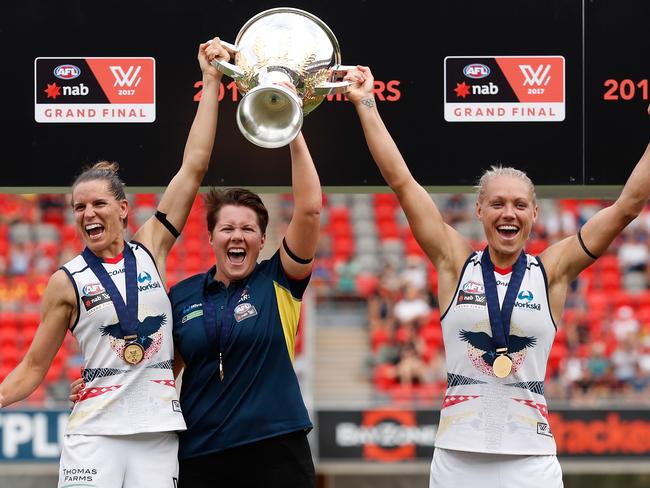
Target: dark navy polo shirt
259,396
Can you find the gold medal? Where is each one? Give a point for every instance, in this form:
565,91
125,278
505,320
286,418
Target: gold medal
502,366
133,352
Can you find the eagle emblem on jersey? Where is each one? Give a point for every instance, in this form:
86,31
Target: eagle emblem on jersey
150,335
482,352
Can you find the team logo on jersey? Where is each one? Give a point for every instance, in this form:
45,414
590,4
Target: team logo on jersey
482,353
244,311
472,293
150,335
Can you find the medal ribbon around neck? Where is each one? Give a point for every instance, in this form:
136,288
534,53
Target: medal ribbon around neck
226,324
500,318
127,313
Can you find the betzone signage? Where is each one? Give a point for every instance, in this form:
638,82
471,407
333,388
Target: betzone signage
383,435
394,435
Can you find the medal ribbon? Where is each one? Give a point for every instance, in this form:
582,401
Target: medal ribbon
500,318
127,313
226,324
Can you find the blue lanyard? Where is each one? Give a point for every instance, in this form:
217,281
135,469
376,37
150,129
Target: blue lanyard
127,313
226,324
500,318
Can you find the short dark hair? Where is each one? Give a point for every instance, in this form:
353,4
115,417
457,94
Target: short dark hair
215,200
105,171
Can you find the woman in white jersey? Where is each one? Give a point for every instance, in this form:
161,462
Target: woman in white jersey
500,310
122,431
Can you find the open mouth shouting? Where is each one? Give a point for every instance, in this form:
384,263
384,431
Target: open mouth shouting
236,255
94,231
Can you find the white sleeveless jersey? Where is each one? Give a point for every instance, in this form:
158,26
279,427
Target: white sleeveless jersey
483,413
120,398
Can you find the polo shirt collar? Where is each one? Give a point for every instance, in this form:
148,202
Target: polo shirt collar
212,285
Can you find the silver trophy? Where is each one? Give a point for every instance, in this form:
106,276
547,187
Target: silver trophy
275,46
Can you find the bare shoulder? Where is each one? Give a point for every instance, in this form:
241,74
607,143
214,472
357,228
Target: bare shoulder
564,260
60,289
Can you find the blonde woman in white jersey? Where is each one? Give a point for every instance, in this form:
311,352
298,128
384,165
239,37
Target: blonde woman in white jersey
494,429
122,431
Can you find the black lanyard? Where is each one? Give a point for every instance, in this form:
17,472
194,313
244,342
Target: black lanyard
226,324
500,318
127,313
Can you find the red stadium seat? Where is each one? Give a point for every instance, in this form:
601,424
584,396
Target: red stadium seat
343,248
608,262
385,199
388,229
366,284
9,355
340,228
384,377
385,213
378,337
339,214
145,200
536,246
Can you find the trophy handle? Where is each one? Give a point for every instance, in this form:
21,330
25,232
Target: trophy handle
334,87
227,68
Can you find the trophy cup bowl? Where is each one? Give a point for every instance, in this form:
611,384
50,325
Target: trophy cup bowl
276,46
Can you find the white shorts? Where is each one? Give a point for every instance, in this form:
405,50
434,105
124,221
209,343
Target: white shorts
120,461
450,469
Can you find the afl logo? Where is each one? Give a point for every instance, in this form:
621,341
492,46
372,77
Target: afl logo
473,288
92,289
67,72
476,71
243,308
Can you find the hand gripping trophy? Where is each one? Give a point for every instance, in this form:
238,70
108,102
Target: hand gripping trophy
275,46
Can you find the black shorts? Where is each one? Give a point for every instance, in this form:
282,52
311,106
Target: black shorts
278,462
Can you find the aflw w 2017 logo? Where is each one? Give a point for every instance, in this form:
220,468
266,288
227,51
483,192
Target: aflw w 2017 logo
128,78
536,77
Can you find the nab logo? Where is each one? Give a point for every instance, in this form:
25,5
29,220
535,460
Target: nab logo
92,289
67,72
476,71
526,295
129,78
536,77
143,277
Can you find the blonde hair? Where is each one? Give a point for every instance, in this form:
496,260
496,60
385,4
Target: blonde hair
496,171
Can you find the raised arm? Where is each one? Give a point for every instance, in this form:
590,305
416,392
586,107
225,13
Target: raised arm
181,192
57,310
303,230
446,248
566,259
